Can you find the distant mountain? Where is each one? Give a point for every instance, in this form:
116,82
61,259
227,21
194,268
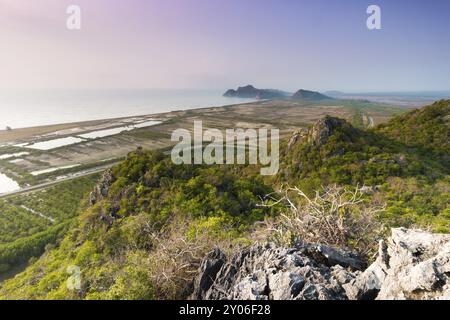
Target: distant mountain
309,95
251,92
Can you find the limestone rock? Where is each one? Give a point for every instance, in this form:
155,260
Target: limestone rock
208,271
270,272
323,129
411,264
419,266
296,137
102,188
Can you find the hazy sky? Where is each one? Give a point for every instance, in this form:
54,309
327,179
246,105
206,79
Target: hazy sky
313,44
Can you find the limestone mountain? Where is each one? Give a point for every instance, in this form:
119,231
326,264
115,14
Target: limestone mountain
309,95
251,92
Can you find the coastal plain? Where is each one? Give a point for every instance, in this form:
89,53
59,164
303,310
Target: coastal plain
47,154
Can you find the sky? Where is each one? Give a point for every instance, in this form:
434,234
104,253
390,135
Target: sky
220,44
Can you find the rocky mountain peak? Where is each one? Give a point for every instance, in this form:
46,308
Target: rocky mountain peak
319,133
323,129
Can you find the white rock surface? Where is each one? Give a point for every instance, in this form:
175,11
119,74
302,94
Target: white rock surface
412,264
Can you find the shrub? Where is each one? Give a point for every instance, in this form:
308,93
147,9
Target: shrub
336,216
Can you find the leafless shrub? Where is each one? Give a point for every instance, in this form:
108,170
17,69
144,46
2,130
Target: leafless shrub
335,216
176,258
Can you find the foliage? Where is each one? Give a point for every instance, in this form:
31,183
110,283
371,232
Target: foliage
411,150
335,216
147,237
22,250
127,245
24,233
425,131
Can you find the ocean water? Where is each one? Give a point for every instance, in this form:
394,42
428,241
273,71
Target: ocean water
7,184
29,108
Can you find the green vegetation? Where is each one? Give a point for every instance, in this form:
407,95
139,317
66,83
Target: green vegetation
30,222
149,193
147,236
16,222
424,131
23,249
409,166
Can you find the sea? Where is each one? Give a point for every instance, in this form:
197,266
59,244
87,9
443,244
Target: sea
20,108
30,108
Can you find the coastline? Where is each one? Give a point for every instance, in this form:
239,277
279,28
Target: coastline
27,132
46,154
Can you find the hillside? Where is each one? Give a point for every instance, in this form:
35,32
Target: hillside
410,174
309,95
150,222
153,210
31,222
425,131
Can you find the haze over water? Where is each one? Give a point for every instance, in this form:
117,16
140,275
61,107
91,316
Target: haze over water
20,109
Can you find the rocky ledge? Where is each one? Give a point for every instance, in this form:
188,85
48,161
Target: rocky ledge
102,188
411,264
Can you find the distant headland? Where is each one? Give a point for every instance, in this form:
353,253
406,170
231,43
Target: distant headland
251,92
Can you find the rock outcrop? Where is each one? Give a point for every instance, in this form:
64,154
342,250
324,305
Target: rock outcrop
299,135
324,128
412,264
304,272
102,188
320,131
